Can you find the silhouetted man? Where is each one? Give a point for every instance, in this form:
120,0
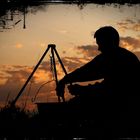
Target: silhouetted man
118,67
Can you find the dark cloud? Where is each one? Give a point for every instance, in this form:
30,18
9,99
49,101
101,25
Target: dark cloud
130,41
136,27
129,24
45,65
71,63
138,54
132,44
18,75
88,50
130,21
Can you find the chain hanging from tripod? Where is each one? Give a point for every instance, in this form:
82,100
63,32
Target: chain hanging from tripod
52,67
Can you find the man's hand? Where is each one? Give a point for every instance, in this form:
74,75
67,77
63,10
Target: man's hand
76,89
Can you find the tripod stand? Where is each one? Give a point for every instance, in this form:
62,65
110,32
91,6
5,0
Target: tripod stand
53,53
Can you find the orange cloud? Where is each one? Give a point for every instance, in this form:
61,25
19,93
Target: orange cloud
42,75
17,75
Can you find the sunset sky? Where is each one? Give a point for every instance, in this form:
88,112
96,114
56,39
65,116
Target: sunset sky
72,30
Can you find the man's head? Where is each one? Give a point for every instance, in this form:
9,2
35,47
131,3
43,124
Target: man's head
107,38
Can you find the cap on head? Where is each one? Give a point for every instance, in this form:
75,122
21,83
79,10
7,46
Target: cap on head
107,36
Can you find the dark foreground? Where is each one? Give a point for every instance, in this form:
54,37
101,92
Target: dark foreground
69,121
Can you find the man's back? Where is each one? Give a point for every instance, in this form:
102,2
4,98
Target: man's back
121,70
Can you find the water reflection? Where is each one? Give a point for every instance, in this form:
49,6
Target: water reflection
11,19
11,14
14,11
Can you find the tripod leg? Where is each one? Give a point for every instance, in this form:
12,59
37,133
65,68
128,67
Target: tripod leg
60,61
35,68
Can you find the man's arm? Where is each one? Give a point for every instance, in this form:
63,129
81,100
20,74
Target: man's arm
89,72
93,70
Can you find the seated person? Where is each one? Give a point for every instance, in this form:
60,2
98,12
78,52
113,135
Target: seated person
118,67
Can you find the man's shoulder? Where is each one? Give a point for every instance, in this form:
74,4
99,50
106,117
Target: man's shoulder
99,58
128,54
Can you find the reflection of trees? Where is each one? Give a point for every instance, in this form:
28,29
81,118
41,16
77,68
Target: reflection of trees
39,4
11,11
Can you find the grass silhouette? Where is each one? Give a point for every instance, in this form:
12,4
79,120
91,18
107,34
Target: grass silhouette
16,123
